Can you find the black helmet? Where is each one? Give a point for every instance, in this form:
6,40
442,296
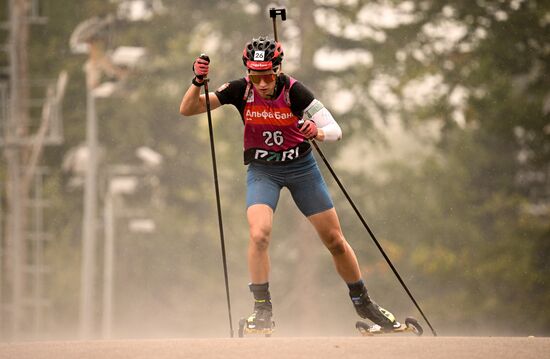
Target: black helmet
262,53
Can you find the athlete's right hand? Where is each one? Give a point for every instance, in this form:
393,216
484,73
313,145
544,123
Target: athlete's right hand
200,67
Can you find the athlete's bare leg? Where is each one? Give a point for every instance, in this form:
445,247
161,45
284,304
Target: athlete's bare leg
328,227
260,221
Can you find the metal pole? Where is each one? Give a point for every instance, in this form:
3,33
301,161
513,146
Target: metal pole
39,238
89,245
15,236
218,204
3,115
108,268
35,241
2,271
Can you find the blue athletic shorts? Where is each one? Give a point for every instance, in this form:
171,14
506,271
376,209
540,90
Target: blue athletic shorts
302,178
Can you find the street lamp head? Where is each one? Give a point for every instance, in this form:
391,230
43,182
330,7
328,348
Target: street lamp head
123,184
106,89
88,31
142,225
128,56
150,157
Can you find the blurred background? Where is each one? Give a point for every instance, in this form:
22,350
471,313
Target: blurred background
108,213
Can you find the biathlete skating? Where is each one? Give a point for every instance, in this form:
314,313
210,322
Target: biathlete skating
280,116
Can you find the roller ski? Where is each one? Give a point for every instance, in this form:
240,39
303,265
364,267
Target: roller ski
384,321
258,323
411,325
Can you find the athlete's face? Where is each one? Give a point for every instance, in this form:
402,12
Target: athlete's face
263,81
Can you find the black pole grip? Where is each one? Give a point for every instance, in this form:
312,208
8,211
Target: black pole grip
274,12
204,57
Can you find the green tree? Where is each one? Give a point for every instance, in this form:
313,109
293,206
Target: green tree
462,215
473,219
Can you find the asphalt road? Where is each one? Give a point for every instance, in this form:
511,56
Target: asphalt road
271,348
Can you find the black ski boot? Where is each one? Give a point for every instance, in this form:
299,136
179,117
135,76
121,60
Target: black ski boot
368,309
260,321
261,318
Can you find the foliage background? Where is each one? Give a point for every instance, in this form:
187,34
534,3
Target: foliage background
445,111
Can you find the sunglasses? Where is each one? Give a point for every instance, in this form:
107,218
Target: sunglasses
268,78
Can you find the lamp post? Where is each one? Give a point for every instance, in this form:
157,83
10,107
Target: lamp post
88,38
89,219
85,39
115,187
121,180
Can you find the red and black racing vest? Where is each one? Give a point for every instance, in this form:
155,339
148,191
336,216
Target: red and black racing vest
271,129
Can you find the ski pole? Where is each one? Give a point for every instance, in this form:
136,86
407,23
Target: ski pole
373,236
273,14
216,186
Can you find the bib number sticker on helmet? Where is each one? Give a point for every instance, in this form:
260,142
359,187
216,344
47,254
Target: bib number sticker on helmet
273,138
259,55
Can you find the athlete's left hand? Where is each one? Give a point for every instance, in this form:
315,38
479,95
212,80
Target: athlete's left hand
309,129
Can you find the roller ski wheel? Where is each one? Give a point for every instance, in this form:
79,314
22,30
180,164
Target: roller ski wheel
411,326
414,326
247,327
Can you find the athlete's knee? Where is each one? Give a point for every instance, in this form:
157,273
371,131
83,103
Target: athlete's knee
335,242
260,237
